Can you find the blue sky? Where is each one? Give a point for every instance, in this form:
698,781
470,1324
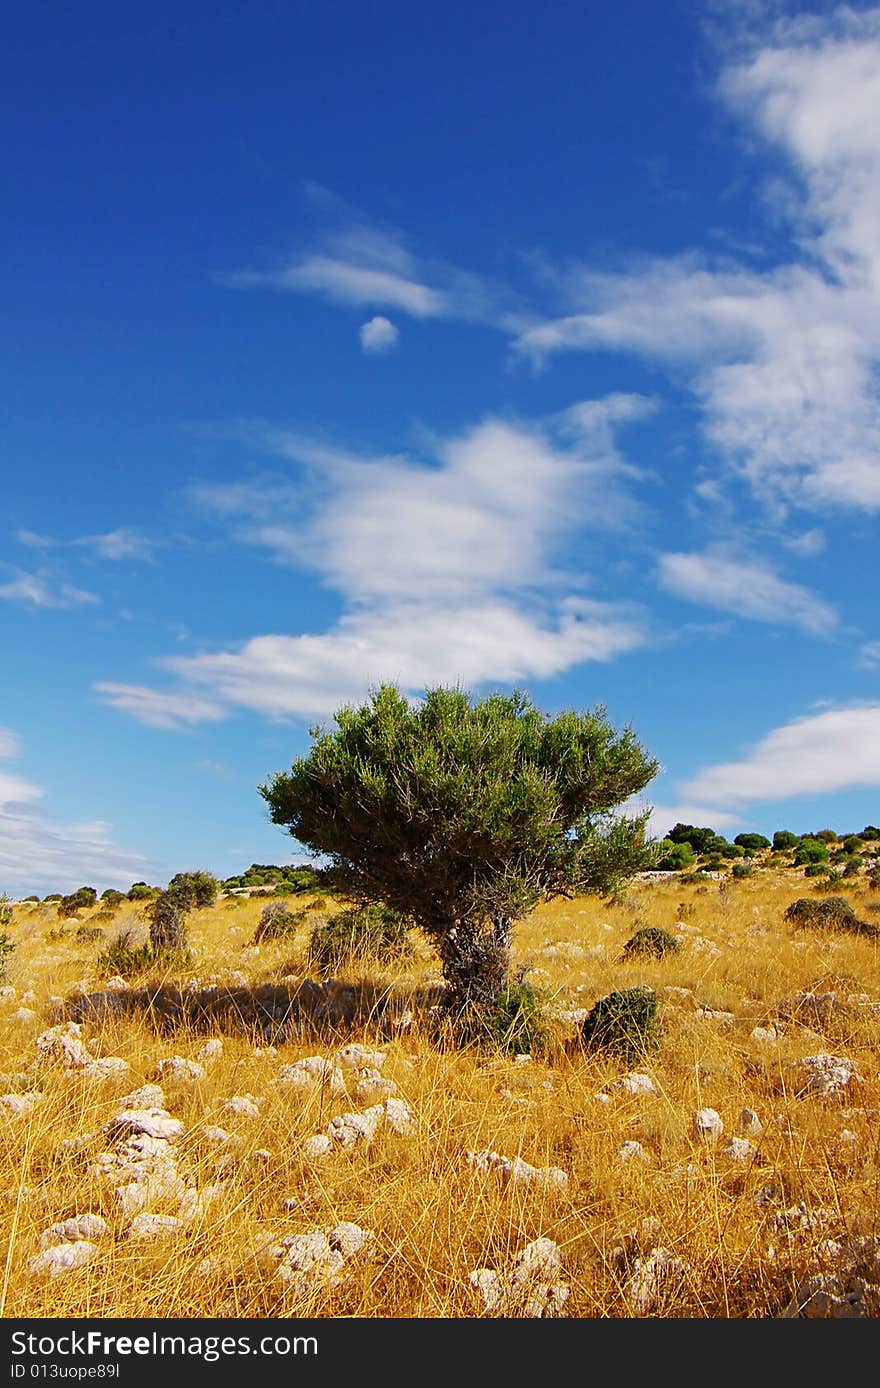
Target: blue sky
515,347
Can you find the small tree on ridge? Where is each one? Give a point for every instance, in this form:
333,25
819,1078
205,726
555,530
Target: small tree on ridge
463,816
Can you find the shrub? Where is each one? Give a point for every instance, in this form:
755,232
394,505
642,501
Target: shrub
675,857
88,932
831,913
83,897
139,891
853,844
744,869
112,898
6,911
651,941
784,839
825,836
698,839
190,890
53,896
275,921
518,1021
811,850
853,866
815,870
870,833
752,843
374,931
623,1024
124,956
167,925
6,945
102,917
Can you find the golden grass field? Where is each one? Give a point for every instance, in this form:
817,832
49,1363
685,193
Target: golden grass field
435,1218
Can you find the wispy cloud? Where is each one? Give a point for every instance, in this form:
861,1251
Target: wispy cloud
838,749
746,587
40,590
378,335
157,708
869,655
782,362
448,566
113,544
39,855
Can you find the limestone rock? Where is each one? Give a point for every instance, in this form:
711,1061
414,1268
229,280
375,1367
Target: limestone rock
85,1228
176,1067
152,1226
65,1257
655,1280
708,1125
822,1076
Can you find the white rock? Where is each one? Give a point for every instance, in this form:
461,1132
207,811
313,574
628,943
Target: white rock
821,1076
654,1279
147,1096
349,1239
7,993
318,1146
176,1067
749,1124
348,1129
739,1149
371,1085
212,1050
242,1105
17,1104
153,1122
355,1057
310,1072
708,1125
108,1067
24,1016
117,985
633,1151
491,1287
195,1203
517,1171
635,1083
151,1226
63,1043
399,1117
540,1259
80,1228
216,1136
54,1262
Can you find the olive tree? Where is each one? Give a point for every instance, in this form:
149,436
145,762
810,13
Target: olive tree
463,815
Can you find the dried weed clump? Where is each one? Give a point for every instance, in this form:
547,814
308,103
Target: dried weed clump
361,1164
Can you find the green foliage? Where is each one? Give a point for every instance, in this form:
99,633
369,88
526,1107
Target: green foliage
275,921
815,870
139,891
6,945
741,870
811,850
124,956
167,924
870,833
784,839
674,857
698,839
82,898
88,932
374,931
825,836
651,941
53,896
831,913
623,1024
518,1022
461,816
752,843
853,844
191,890
112,898
853,866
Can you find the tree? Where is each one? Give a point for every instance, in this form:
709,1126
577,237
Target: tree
700,840
752,843
783,839
463,815
674,857
810,850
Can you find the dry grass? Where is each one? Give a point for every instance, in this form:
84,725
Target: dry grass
435,1217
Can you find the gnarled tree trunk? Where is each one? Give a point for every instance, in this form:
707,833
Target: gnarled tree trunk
476,963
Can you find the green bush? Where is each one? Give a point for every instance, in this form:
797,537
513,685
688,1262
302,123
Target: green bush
853,844
275,921
815,870
190,890
87,932
360,932
831,913
784,839
870,833
740,870
651,941
825,836
112,898
139,891
82,898
674,857
6,945
752,843
623,1024
810,850
6,911
518,1022
853,866
697,839
123,956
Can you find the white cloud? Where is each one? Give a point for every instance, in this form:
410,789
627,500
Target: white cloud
9,744
378,335
869,655
158,708
745,587
665,817
783,362
37,855
38,590
113,544
447,567
838,749
415,644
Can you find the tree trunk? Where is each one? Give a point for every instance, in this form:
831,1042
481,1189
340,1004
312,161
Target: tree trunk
476,963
